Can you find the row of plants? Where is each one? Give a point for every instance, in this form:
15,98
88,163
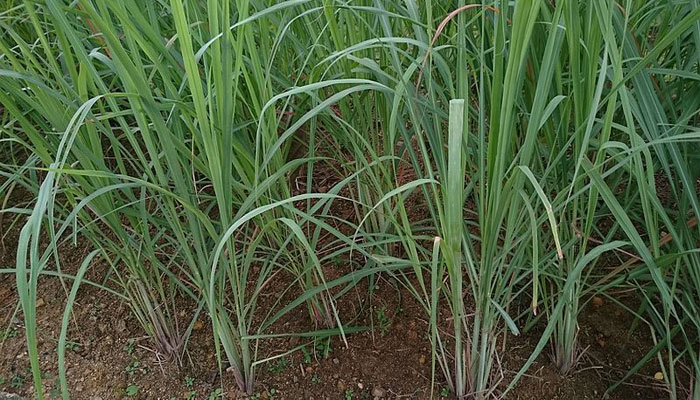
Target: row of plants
541,139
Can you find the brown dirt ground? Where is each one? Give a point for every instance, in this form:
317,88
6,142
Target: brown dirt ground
109,350
397,361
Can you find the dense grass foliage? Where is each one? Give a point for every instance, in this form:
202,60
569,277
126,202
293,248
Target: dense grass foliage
535,134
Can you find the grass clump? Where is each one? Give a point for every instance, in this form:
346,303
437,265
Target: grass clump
181,140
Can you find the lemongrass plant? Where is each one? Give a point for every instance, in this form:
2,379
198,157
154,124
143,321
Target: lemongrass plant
167,133
663,143
469,368
597,160
577,210
184,170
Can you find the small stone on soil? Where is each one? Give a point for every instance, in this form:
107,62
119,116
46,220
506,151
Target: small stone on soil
120,326
9,396
597,301
378,391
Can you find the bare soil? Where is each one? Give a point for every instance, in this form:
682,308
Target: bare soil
109,354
